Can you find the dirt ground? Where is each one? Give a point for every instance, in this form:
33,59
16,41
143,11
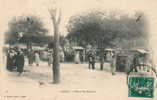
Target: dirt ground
77,83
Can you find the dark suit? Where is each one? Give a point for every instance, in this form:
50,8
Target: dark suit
19,61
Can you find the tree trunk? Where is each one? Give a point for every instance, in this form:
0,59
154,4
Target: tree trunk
56,64
101,55
101,59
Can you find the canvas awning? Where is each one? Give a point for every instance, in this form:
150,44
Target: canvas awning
78,48
141,51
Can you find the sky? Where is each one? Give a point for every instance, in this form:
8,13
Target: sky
14,8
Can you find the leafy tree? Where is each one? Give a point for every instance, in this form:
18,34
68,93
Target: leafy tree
101,29
29,26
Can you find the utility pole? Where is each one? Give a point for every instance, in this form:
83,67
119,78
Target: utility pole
56,63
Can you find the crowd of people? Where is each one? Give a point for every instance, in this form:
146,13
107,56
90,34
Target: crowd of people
140,57
15,60
110,56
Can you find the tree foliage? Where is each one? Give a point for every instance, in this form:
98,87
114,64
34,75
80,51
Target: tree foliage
110,29
30,26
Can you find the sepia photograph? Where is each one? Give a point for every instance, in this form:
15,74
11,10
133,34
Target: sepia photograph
78,50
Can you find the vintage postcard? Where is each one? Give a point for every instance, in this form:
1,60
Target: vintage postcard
78,50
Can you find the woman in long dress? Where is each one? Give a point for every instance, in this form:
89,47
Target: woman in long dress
77,57
50,59
10,60
37,58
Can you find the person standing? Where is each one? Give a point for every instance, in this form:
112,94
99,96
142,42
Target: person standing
77,57
19,62
89,60
113,64
83,56
62,56
30,57
37,58
93,60
50,59
10,60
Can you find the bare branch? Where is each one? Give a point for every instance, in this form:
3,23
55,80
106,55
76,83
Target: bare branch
52,13
59,16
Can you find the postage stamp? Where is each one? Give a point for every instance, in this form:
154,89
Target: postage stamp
141,87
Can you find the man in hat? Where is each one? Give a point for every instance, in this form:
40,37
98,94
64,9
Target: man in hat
30,56
91,59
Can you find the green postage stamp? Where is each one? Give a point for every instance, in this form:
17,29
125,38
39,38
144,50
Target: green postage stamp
141,87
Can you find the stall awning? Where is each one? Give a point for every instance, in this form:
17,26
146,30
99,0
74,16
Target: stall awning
78,48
